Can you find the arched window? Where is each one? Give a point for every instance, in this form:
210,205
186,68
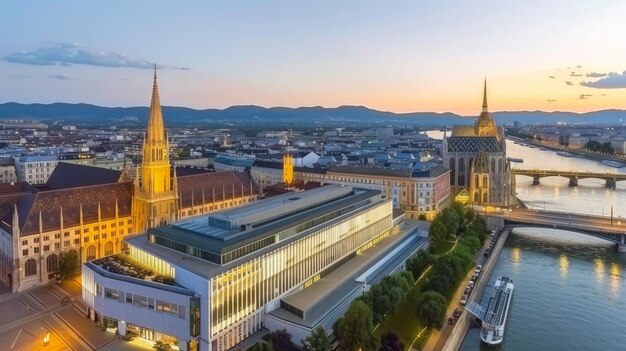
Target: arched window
485,198
476,197
91,253
108,248
52,263
493,165
461,172
476,183
500,166
470,164
162,222
452,171
30,267
485,182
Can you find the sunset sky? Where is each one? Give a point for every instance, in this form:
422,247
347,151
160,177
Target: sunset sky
399,56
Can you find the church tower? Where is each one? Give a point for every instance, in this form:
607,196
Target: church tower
155,199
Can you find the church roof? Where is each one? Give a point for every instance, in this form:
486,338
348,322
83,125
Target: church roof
463,131
49,204
71,175
473,144
225,184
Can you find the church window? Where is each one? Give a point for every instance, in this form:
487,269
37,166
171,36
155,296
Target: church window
476,181
485,181
30,267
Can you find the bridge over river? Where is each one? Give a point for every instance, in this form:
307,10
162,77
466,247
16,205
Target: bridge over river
608,228
611,178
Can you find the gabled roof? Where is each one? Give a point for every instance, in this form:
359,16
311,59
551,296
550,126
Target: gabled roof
70,175
225,185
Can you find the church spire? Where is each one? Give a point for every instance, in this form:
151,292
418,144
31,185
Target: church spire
156,130
485,97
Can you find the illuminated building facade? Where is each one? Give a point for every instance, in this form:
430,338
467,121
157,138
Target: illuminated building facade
91,209
242,265
476,157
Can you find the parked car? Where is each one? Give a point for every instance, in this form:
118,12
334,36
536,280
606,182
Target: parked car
464,300
457,313
451,320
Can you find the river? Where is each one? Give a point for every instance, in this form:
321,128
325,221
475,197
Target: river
570,291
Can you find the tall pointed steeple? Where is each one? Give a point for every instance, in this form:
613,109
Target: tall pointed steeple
156,131
485,97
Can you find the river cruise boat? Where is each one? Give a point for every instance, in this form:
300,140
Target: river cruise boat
612,163
494,322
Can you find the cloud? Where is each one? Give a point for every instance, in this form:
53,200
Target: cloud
68,54
551,77
574,74
584,96
61,76
551,100
596,75
21,76
610,81
569,82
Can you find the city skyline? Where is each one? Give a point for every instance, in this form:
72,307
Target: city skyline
408,57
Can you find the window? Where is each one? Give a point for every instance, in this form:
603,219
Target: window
52,263
77,241
66,234
86,239
25,252
66,243
57,246
104,235
95,237
46,248
35,250
46,238
36,240
129,298
91,252
111,294
104,226
24,242
77,232
30,267
86,230
57,235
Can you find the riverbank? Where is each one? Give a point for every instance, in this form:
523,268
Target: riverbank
578,152
457,335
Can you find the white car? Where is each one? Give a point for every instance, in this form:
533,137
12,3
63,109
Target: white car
464,300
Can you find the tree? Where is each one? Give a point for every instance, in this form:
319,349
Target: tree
432,308
69,264
451,220
354,330
390,342
439,283
437,233
607,148
317,341
421,217
459,209
281,340
418,263
594,145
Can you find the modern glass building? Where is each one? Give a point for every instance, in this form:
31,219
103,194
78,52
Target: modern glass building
227,270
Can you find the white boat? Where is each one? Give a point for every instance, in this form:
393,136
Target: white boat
564,154
612,163
494,322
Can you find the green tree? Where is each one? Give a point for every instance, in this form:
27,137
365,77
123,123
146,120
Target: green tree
437,233
459,209
432,308
451,220
69,264
439,283
418,263
593,145
354,330
607,148
471,242
317,341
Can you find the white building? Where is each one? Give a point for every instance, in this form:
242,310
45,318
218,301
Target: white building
236,271
35,169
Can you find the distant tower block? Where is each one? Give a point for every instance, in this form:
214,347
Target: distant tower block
288,169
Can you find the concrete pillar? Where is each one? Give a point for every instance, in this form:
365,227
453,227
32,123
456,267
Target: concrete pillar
621,247
535,180
610,183
573,181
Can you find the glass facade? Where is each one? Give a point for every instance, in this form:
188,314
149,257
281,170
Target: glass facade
238,294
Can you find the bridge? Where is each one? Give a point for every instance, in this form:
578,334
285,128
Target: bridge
611,178
607,228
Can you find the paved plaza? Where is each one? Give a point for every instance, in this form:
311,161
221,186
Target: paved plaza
56,311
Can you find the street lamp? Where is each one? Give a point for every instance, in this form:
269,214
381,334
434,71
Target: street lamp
46,339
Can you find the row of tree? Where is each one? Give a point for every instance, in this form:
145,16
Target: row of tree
596,146
449,270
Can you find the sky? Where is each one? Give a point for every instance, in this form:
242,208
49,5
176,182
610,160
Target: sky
400,56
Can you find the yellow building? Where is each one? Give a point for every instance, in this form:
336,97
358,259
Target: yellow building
91,210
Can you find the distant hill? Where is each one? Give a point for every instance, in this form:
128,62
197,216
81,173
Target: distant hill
251,114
